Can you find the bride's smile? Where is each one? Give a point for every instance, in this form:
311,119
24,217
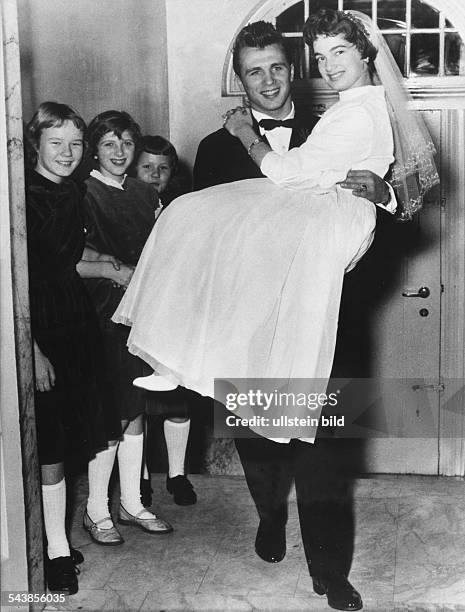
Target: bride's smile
340,63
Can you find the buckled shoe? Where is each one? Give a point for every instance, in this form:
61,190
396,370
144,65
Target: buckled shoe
149,523
104,537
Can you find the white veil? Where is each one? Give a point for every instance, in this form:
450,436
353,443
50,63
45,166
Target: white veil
414,171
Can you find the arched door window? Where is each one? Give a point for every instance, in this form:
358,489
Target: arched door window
428,48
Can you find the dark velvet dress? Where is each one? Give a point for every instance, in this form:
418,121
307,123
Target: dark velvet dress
118,223
76,417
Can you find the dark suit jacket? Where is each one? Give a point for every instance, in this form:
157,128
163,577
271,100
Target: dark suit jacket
222,158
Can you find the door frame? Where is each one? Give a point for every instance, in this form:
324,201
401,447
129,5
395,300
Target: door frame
21,469
452,424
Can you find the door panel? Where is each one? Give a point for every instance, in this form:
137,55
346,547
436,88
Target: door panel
394,340
406,341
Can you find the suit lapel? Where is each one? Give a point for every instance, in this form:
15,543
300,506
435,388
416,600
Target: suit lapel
298,137
305,124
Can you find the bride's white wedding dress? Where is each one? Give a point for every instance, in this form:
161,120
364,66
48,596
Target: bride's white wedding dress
243,280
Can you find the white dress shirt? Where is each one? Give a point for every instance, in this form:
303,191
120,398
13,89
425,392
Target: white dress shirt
280,137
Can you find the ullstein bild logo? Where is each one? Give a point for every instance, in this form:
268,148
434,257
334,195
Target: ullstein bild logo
284,421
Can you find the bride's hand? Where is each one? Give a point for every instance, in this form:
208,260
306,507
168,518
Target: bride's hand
237,118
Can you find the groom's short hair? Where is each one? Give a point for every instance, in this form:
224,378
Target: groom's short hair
259,34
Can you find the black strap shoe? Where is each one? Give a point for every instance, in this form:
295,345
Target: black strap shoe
76,556
146,492
340,593
182,490
270,543
62,575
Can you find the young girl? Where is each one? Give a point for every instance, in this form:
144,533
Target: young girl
120,213
157,165
71,412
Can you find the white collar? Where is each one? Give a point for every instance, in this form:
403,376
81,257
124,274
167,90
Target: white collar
356,92
259,116
107,180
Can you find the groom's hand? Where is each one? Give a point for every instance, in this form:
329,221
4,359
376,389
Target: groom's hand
368,185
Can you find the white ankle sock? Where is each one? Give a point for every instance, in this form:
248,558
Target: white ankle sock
130,467
145,471
100,468
54,504
176,436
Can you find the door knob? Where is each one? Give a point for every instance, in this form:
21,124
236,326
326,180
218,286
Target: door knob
423,292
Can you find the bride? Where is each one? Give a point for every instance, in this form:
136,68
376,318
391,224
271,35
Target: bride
243,280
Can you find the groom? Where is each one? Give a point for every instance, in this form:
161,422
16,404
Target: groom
319,470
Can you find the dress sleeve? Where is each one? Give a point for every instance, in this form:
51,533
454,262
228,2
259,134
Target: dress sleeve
331,150
391,206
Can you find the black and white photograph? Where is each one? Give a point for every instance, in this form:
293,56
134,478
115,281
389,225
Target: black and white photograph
232,305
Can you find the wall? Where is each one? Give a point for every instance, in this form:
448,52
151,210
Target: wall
96,56
199,33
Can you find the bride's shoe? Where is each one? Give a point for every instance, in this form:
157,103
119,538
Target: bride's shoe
154,382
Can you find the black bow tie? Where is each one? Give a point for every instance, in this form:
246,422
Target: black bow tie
271,124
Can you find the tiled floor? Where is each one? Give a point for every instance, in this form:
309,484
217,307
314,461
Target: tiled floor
409,553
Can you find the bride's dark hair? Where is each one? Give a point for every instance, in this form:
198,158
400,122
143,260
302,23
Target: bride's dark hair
328,22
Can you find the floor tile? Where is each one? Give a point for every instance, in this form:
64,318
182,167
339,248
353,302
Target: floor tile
93,600
409,552
430,552
432,486
156,602
238,570
124,601
99,564
377,487
373,566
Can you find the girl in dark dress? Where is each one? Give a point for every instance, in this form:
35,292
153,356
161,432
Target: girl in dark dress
70,398
120,213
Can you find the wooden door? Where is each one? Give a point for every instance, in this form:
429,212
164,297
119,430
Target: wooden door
393,338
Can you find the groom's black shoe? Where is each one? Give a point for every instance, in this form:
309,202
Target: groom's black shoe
270,543
340,593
